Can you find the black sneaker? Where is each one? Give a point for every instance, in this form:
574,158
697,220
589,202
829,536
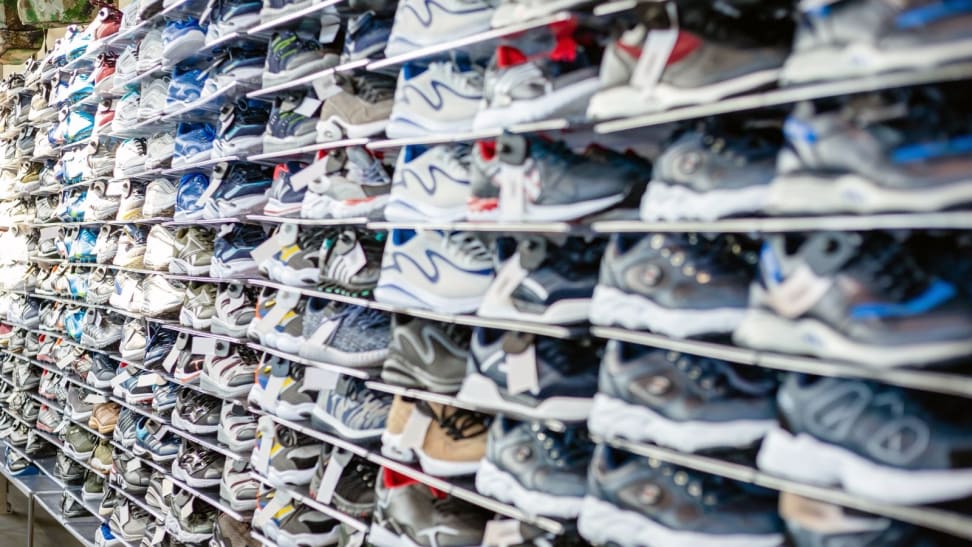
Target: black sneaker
241,127
856,297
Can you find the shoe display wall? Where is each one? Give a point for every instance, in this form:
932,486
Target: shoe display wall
492,272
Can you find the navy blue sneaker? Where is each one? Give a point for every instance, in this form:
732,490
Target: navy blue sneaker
235,66
231,16
856,297
193,143
679,400
241,127
287,128
291,55
188,204
159,344
876,441
566,375
242,189
284,200
367,36
635,501
231,252
185,87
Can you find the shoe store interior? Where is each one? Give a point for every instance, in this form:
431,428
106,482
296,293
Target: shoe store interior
499,273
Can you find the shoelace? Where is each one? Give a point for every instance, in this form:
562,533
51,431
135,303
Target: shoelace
892,269
461,424
467,245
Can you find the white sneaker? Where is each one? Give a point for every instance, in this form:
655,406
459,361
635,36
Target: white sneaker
442,98
158,248
159,150
160,198
153,98
443,271
162,296
430,184
97,205
200,307
421,24
150,50
130,157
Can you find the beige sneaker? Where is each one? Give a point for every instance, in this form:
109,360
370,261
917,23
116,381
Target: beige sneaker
455,441
104,417
391,438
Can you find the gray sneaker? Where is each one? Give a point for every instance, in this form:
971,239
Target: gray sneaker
864,37
351,261
673,284
426,354
306,526
408,510
296,400
540,471
360,339
712,174
351,410
294,462
869,156
683,401
637,501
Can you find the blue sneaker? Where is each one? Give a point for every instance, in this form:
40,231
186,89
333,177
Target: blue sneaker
291,55
159,344
74,323
185,87
351,410
182,39
284,200
235,66
78,286
367,36
241,127
242,189
193,143
191,188
74,207
286,128
78,126
634,500
232,256
232,16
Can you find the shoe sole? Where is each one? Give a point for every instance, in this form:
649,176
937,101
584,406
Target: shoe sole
611,306
666,202
493,482
480,391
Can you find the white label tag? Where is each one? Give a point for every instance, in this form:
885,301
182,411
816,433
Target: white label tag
507,280
326,86
262,460
272,391
279,501
512,200
166,487
332,473
203,346
308,107
318,379
305,176
158,535
415,428
116,188
171,358
95,399
265,250
149,380
658,47
324,332
502,533
521,370
329,30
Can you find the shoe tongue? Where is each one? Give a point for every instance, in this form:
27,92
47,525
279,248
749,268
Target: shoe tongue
507,57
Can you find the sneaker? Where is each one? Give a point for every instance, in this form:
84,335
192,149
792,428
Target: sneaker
716,508
130,157
237,428
126,109
522,88
150,50
182,38
426,354
895,38
555,282
230,532
292,458
418,25
509,12
643,396
192,252
237,486
151,104
189,206
864,327
710,275
366,36
185,87
357,337
284,200
850,159
241,127
360,110
199,469
163,297
234,311
160,149
197,313
232,16
230,376
291,55
236,66
566,376
429,183
289,125
406,508
351,261
193,144
356,184
196,413
538,470
241,189
351,410
465,271
442,97
160,198
158,248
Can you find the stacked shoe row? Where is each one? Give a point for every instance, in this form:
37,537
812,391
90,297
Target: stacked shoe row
291,336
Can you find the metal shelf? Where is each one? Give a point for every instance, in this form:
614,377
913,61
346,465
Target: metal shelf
309,79
926,380
789,95
347,371
199,165
928,517
309,149
559,124
202,333
355,221
503,227
295,16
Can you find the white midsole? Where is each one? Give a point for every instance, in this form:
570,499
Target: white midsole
494,482
481,391
852,193
611,306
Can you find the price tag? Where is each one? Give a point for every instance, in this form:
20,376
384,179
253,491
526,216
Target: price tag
158,535
150,379
305,176
502,533
332,473
509,277
262,459
324,332
203,346
326,86
166,487
272,391
330,27
415,428
521,370
287,235
171,358
512,200
658,48
120,378
308,107
265,250
318,379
